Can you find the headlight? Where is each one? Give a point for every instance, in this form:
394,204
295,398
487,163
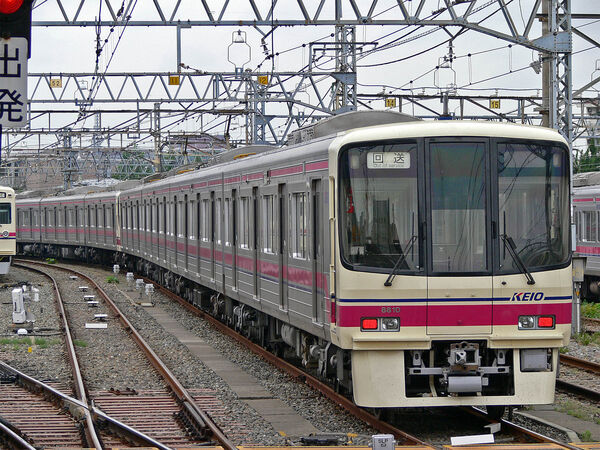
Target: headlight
526,322
390,324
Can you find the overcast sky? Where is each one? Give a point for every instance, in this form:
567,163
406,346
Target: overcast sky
57,49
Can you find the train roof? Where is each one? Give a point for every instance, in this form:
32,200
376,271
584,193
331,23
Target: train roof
347,121
586,179
7,189
586,190
452,128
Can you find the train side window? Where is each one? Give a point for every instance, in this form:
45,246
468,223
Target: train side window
181,218
164,216
212,217
217,221
192,206
591,226
298,225
147,215
187,207
269,224
244,222
155,217
205,217
138,224
198,217
159,216
227,222
175,217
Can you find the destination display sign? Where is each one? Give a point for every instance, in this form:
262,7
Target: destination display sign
388,160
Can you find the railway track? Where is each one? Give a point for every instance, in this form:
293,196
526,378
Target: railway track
172,414
35,412
517,433
590,324
577,389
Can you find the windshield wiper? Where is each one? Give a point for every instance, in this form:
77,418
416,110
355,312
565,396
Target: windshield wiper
401,259
510,245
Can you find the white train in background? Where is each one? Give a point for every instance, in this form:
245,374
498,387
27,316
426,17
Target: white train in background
8,232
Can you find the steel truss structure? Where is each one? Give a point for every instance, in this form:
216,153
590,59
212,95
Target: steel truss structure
268,111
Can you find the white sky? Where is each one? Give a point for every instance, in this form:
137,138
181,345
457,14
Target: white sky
58,49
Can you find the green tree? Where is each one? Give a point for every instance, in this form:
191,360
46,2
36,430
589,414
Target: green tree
588,161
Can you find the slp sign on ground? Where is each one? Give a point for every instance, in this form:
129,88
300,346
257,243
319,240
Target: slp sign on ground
13,82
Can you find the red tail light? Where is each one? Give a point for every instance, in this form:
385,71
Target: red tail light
545,322
369,324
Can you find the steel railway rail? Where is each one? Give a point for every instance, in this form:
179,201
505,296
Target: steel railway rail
33,412
591,324
193,414
522,434
580,364
575,389
48,418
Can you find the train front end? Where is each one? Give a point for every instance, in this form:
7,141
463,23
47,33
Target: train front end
451,262
8,231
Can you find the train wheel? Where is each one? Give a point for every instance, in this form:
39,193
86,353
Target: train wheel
495,411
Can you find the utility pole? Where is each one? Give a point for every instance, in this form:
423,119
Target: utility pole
156,132
345,69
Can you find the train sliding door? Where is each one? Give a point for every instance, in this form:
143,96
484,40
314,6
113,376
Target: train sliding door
233,211
282,221
317,254
255,239
459,292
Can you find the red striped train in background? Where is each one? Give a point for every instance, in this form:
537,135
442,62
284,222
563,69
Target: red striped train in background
412,263
586,207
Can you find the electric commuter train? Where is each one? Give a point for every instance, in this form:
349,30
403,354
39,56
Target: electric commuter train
412,263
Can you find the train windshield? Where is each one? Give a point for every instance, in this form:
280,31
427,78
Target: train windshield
379,219
5,218
481,194
533,194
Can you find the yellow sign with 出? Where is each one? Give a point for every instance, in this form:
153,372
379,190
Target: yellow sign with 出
390,102
494,103
55,83
173,80
263,79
